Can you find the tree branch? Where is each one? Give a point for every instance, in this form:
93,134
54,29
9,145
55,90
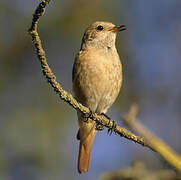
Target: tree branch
166,152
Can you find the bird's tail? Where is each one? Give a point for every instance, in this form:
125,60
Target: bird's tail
87,136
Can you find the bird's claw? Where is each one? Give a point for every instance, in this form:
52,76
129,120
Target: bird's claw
88,115
111,129
99,127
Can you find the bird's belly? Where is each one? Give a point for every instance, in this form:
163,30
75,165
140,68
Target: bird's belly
111,90
97,86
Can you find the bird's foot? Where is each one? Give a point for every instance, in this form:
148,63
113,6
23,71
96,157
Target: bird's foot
88,115
111,129
99,127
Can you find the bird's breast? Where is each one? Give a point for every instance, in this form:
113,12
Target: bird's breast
97,77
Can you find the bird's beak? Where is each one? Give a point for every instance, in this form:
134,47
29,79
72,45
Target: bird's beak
116,29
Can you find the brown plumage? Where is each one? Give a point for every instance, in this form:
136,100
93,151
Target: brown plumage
97,79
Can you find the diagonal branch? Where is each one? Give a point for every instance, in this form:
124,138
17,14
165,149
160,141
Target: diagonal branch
166,152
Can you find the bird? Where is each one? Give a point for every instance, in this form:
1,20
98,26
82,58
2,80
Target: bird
96,81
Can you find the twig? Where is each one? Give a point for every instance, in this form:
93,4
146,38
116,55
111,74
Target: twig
168,154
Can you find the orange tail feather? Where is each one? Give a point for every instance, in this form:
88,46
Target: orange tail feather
85,152
84,157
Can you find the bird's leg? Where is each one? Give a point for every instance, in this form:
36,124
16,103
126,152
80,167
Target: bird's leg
106,116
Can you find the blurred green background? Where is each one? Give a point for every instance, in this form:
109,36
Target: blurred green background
37,130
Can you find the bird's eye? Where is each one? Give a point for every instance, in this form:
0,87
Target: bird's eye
100,28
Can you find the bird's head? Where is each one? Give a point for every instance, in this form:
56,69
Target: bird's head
101,34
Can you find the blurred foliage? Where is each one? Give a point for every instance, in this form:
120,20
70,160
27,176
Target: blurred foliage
138,171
